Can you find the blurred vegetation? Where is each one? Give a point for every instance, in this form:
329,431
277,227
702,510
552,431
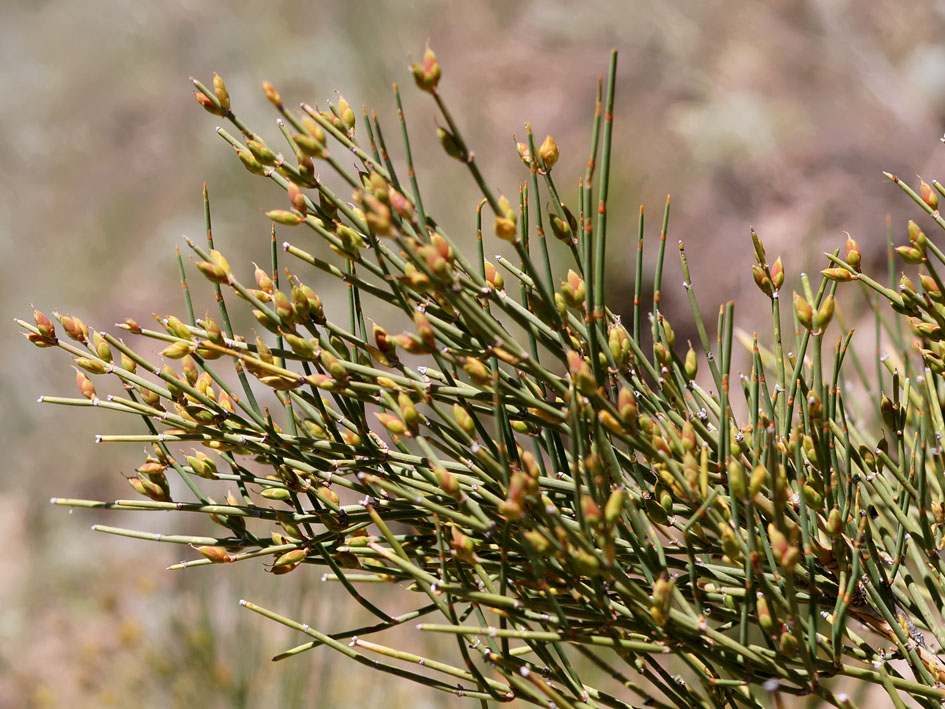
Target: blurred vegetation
779,115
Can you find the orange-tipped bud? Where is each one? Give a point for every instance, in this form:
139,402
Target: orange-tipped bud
262,153
805,314
219,88
427,73
270,91
297,198
910,254
581,373
854,257
409,411
464,419
761,280
424,329
285,217
92,366
916,235
627,406
392,424
177,350
250,162
777,274
45,326
100,345
85,385
493,276
573,290
213,272
928,195
691,365
75,328
618,340
218,555
477,371
824,314
346,113
208,104
841,275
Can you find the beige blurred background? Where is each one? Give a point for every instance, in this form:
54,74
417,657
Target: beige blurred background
780,115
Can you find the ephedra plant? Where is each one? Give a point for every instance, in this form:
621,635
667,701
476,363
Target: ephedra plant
545,484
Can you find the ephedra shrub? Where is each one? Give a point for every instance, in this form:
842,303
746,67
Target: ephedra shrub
543,483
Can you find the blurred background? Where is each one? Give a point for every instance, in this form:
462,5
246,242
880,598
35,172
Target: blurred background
778,115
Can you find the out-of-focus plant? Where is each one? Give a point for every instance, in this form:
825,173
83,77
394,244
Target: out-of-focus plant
553,486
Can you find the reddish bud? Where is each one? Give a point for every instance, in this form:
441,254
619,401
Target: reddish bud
208,104
427,73
928,195
85,385
45,326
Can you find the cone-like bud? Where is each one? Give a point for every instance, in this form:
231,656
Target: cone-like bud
928,195
805,314
392,423
524,153
100,345
285,217
618,339
270,91
477,371
764,614
777,274
447,482
218,555
824,314
424,329
250,162
910,254
691,365
45,326
219,88
573,290
450,144
761,280
346,113
662,600
505,228
85,385
262,153
581,373
213,272
208,104
464,419
75,328
427,73
916,236
464,548
736,480
493,276
854,257
548,152
627,406
563,229
409,411
841,275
